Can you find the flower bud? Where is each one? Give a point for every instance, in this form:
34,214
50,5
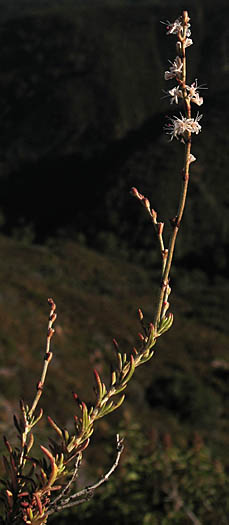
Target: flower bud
146,203
154,216
134,192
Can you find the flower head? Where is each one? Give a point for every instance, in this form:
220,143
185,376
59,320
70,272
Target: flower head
188,42
173,28
193,94
175,93
178,126
175,69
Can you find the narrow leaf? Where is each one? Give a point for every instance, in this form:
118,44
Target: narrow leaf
54,425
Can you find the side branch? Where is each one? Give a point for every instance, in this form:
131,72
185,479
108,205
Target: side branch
88,492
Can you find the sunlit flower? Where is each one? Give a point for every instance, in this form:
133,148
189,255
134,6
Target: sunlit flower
194,94
175,94
191,158
193,124
176,27
175,69
173,27
178,126
188,42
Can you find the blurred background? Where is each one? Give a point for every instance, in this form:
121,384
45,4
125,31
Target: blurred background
82,113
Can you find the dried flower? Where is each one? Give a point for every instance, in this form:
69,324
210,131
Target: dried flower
175,69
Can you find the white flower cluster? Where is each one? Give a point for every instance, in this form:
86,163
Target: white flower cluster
193,93
178,126
176,27
175,70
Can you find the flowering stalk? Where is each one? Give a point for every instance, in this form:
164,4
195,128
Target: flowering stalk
183,32
180,128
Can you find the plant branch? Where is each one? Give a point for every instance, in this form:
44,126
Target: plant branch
176,221
47,357
88,492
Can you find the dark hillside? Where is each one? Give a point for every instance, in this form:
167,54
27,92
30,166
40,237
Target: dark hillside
82,119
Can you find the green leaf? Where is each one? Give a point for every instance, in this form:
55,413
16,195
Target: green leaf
165,324
128,376
99,390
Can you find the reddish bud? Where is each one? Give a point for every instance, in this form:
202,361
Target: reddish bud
22,494
134,192
146,203
151,328
115,344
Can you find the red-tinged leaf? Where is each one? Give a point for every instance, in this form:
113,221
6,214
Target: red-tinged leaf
57,487
39,504
99,385
54,425
7,444
116,345
54,467
48,454
22,494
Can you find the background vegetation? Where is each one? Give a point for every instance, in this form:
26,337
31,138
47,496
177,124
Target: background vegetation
81,122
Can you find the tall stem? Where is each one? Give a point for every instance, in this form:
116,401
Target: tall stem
176,221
